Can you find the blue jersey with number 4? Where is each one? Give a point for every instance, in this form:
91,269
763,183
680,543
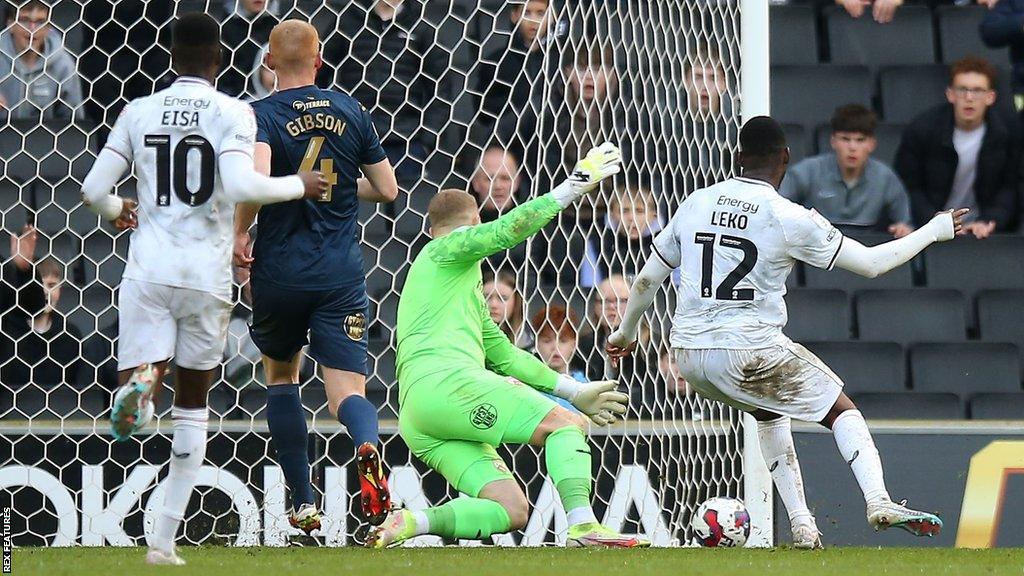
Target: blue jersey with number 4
314,244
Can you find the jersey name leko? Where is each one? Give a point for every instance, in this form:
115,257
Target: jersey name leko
174,137
736,243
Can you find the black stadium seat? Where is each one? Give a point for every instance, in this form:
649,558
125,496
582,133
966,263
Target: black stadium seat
1006,406
798,141
908,39
1001,317
910,90
908,406
959,37
910,316
887,137
972,265
817,315
865,366
794,35
965,368
808,95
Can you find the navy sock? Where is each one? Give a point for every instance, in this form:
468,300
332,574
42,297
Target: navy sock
360,418
287,424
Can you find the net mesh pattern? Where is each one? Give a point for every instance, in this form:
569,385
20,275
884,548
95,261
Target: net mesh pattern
498,98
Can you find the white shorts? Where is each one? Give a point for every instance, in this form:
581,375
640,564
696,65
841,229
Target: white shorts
157,322
786,379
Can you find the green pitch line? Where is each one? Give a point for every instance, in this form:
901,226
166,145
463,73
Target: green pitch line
223,561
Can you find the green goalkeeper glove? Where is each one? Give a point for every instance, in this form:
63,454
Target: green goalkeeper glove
600,163
598,400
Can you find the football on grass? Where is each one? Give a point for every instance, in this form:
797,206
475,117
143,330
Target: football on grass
721,523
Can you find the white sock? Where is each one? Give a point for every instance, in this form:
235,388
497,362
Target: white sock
581,515
858,449
422,522
779,453
188,449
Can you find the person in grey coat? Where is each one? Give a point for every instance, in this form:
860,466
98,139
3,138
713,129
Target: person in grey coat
38,79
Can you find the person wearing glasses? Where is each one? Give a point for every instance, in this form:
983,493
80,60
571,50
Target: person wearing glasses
38,79
964,153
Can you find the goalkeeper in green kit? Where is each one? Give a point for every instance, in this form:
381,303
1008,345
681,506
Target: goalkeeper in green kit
456,403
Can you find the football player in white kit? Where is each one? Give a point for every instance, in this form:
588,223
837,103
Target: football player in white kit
736,243
192,148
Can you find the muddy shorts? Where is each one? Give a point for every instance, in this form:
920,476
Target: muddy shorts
785,378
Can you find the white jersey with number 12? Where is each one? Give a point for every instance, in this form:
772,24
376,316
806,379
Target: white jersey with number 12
736,243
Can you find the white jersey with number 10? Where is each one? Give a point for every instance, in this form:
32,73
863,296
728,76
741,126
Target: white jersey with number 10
736,243
175,137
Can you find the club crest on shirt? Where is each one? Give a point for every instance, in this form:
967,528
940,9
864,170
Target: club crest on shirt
355,326
483,416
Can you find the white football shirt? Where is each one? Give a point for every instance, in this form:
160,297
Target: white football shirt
186,222
736,243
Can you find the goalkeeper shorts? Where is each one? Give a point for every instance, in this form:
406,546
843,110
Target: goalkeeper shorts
786,379
454,425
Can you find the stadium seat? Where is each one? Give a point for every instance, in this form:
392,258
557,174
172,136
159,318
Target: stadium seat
1006,406
865,366
799,143
794,34
887,137
965,368
910,90
971,265
382,366
959,37
1001,317
817,315
909,406
910,316
808,95
908,39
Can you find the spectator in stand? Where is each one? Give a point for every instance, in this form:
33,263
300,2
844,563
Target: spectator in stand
244,33
557,340
17,272
883,11
964,154
496,183
507,75
506,307
628,232
43,349
389,58
1003,27
847,186
709,121
38,79
606,309
262,80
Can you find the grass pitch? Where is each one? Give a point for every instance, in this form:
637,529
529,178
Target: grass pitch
223,561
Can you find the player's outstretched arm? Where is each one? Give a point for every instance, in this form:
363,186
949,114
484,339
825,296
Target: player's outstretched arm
480,241
878,260
242,183
379,183
622,341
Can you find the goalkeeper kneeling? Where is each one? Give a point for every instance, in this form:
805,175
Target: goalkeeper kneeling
456,403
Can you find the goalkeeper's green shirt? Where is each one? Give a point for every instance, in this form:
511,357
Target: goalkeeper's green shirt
444,328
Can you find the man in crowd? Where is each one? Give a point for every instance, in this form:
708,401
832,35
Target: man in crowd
963,153
847,186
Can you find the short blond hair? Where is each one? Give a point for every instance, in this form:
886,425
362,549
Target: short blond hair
294,44
451,207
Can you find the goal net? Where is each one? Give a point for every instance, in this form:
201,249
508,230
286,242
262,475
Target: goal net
498,98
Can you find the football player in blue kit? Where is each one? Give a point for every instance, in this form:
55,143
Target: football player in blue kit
308,284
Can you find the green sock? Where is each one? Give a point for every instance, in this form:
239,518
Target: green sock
473,518
568,458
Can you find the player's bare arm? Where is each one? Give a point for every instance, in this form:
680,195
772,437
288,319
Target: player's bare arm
378,184
877,260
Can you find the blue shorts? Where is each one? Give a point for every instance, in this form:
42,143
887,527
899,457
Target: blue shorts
332,322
